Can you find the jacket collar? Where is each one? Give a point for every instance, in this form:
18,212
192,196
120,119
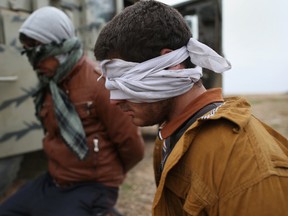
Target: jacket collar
210,96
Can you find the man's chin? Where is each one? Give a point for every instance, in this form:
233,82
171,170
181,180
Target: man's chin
44,72
141,123
138,122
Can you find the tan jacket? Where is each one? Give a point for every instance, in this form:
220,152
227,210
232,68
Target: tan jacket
227,163
115,145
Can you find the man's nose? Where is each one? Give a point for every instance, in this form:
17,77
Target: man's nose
116,102
120,103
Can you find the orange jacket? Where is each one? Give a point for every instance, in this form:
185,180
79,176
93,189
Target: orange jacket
226,163
115,144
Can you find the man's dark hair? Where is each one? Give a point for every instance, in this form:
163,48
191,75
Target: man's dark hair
141,31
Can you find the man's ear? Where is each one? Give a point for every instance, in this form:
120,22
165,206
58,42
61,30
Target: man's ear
165,51
176,67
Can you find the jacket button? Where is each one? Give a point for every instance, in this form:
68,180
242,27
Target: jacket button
236,130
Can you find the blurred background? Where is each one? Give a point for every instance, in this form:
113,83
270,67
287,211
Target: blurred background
255,41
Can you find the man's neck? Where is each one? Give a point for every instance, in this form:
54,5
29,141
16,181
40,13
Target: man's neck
180,102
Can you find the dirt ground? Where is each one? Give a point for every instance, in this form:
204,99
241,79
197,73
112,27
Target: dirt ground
136,194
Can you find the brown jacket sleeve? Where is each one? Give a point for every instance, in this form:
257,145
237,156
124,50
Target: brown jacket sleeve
120,129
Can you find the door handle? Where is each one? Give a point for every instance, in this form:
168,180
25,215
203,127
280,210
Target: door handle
8,78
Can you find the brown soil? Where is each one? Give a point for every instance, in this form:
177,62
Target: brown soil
136,194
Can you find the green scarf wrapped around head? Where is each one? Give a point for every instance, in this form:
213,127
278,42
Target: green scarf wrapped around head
70,125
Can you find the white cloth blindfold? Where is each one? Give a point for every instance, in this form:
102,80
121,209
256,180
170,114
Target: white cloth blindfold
150,81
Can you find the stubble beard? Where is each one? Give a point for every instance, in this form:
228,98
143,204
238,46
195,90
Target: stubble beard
157,113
